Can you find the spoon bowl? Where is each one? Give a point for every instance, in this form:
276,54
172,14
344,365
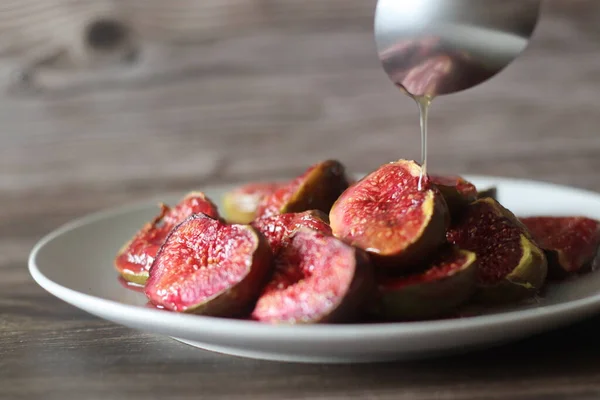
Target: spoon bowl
437,47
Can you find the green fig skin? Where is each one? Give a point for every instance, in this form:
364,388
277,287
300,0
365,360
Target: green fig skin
490,230
523,282
316,189
491,192
240,204
457,192
425,298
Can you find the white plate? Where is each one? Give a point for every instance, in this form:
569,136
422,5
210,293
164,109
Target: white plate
74,263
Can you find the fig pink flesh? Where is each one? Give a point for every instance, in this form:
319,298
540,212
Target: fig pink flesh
194,203
139,254
272,203
200,259
462,186
312,275
577,238
494,238
278,228
383,211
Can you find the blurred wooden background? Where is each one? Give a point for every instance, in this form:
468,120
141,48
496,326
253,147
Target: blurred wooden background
104,102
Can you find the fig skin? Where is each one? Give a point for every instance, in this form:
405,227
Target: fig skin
134,258
529,272
491,192
316,189
208,267
240,204
523,282
317,279
571,243
457,191
279,228
447,283
370,215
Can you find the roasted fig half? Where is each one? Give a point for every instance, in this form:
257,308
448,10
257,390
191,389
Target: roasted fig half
211,268
240,204
390,217
134,259
317,279
447,283
457,191
316,189
279,227
510,266
571,243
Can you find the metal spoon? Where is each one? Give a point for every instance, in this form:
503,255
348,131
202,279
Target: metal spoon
436,47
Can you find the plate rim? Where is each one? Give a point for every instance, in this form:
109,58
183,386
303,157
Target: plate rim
254,330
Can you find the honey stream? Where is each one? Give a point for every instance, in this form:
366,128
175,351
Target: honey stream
423,103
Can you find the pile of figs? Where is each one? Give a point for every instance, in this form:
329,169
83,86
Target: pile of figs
323,248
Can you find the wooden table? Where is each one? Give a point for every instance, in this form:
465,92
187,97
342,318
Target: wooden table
261,105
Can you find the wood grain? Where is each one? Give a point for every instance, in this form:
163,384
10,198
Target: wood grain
297,84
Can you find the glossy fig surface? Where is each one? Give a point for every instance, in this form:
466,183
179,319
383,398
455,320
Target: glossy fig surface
209,267
134,259
279,228
390,217
510,266
571,243
316,189
317,279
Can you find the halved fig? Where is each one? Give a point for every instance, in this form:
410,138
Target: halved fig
489,192
448,282
317,279
134,259
278,228
457,191
510,266
240,204
208,267
390,217
316,189
571,243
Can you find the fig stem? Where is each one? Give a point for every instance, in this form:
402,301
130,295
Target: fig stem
423,102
